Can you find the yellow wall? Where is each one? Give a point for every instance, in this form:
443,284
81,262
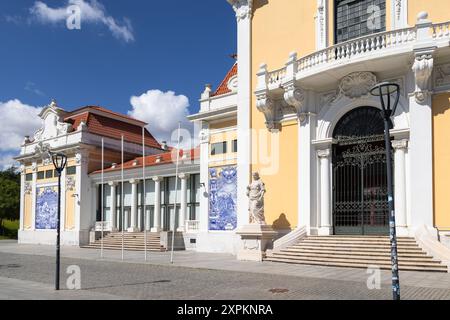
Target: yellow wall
70,200
70,203
228,158
279,27
27,217
438,10
441,141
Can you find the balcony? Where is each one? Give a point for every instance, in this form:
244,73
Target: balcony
351,68
396,44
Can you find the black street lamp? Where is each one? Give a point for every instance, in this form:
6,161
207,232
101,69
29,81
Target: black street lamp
389,94
59,161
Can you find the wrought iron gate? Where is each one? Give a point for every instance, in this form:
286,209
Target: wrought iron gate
360,204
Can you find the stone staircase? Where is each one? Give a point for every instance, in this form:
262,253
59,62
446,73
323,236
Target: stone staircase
132,242
356,252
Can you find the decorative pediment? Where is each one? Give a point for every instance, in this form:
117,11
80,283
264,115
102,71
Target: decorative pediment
53,124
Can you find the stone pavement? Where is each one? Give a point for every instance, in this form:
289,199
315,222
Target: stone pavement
14,289
210,276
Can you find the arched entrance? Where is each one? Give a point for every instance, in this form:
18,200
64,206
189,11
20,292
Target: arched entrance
359,174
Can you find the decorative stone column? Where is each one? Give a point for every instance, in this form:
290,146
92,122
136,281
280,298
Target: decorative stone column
244,14
183,210
204,137
134,206
157,213
34,168
113,216
400,147
325,196
22,196
421,127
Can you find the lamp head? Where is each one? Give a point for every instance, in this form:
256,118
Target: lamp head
59,161
389,94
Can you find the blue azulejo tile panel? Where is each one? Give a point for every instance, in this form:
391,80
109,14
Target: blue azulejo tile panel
222,198
46,208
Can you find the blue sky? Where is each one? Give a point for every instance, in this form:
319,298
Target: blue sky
169,46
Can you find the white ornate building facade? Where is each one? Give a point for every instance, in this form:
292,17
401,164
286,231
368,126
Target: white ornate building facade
296,108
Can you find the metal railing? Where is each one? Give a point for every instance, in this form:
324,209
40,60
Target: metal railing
192,225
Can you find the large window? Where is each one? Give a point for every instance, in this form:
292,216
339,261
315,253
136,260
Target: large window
218,148
357,18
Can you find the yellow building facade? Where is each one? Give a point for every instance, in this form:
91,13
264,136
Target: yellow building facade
308,68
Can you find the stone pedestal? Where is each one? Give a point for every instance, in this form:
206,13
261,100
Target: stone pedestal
255,240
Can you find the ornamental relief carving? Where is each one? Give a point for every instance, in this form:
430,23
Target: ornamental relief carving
352,86
442,76
423,69
357,85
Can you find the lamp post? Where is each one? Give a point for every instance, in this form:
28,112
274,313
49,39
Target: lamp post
59,161
389,94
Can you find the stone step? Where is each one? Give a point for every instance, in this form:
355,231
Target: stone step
361,238
358,260
125,248
404,253
438,268
378,241
357,251
353,245
376,257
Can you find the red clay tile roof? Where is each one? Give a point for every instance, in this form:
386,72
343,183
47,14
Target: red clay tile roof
101,109
223,87
111,127
151,161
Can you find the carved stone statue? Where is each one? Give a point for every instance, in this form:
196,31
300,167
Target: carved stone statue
255,192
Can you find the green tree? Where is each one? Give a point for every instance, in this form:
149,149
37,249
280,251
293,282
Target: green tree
9,196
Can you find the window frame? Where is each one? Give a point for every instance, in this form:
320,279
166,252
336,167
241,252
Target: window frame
336,22
224,144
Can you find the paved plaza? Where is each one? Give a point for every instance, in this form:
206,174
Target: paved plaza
27,272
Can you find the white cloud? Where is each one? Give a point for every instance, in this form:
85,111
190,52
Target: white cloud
92,11
163,111
17,120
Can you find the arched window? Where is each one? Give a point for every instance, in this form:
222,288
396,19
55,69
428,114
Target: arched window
357,18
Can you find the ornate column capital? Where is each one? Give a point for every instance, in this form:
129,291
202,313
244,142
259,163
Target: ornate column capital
423,69
243,9
204,136
324,153
113,183
184,176
134,181
157,179
400,144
